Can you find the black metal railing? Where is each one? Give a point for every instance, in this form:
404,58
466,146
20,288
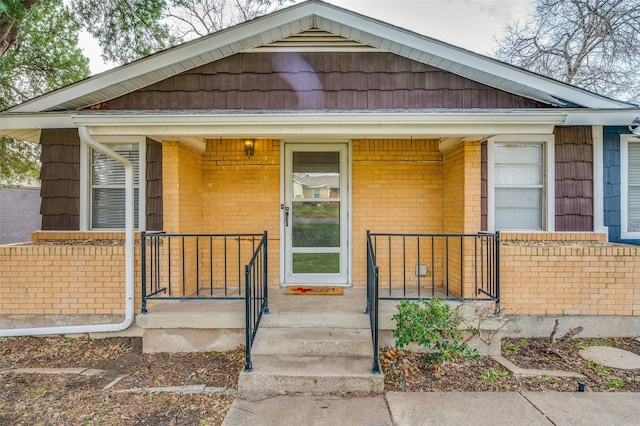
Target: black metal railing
208,266
425,266
256,300
446,266
195,266
372,302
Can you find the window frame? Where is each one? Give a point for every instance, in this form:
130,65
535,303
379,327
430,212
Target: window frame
86,187
625,234
548,187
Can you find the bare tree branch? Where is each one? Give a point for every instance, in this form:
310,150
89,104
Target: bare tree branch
594,44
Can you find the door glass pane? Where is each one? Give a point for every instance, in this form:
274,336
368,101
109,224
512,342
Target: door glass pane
315,212
327,263
316,175
316,224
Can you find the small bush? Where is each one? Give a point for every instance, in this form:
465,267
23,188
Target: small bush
433,325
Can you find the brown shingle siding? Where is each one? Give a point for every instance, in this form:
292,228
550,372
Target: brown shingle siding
574,178
317,80
154,186
60,179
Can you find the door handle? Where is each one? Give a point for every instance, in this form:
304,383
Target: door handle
286,216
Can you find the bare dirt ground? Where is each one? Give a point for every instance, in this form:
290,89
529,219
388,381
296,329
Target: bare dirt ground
72,399
408,370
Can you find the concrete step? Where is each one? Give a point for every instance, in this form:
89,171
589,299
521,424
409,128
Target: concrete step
323,374
313,342
315,320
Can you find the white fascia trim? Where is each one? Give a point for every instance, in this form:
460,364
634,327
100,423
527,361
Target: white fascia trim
624,185
549,184
552,117
599,117
36,121
330,125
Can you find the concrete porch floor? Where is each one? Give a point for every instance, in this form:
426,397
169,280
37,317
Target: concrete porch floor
353,300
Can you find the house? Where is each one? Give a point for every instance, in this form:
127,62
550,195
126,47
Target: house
19,211
318,124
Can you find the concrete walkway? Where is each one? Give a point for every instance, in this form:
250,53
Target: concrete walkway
441,408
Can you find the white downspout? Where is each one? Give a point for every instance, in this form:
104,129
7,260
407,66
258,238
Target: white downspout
86,138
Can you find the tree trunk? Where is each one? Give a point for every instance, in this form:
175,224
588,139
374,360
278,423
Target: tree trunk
10,27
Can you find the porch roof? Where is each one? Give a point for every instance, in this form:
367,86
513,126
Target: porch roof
194,126
270,30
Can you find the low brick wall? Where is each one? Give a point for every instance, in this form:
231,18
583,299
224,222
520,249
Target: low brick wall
77,274
568,274
541,274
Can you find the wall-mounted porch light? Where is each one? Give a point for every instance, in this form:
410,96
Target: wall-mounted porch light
249,147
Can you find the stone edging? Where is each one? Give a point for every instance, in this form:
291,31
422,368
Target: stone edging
517,371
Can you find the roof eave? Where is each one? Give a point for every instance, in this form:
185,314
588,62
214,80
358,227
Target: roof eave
303,16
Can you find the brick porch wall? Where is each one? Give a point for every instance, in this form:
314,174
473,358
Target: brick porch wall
568,274
65,279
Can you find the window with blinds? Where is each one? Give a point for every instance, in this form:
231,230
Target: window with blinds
519,186
107,187
633,187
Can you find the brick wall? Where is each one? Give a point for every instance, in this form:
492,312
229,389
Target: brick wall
461,201
397,188
182,188
242,194
568,274
182,208
67,278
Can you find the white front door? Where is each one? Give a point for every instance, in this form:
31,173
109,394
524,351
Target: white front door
315,214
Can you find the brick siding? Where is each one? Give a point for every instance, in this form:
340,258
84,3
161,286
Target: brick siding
19,214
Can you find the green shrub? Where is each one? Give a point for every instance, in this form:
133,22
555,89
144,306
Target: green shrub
433,325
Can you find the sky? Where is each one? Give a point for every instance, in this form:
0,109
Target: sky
471,24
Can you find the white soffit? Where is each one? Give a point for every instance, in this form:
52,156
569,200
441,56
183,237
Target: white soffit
355,31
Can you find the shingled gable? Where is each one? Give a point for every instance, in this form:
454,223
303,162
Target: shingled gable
351,30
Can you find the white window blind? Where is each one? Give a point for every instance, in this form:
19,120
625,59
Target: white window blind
519,185
633,183
107,187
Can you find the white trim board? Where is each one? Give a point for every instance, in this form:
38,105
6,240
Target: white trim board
625,234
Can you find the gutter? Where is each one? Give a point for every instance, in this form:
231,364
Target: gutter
86,138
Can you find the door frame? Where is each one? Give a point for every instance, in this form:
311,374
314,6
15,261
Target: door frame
347,200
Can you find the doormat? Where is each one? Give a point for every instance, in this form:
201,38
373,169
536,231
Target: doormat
312,290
